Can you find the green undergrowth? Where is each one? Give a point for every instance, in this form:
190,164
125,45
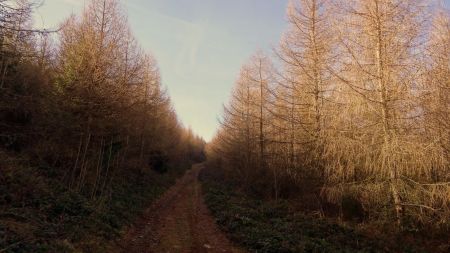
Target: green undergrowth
39,214
268,226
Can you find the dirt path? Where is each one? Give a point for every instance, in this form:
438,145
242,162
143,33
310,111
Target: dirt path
178,222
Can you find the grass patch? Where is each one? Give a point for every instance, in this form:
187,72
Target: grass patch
269,227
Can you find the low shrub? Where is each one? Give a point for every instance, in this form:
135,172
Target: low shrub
39,214
266,226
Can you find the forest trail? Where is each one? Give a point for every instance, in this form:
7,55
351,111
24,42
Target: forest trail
179,222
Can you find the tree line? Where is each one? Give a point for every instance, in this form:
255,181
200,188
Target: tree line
86,99
354,106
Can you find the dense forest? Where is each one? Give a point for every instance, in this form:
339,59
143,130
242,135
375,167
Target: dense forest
87,130
350,117
337,140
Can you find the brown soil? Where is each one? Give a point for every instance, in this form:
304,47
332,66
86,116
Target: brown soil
178,222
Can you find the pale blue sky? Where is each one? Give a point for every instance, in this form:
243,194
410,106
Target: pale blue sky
199,44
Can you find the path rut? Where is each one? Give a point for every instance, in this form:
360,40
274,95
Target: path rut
179,222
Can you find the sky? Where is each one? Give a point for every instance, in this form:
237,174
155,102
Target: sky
199,45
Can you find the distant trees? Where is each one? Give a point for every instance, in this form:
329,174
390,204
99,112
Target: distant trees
358,111
246,118
93,105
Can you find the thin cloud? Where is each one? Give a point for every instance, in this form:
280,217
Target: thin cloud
74,2
191,39
188,35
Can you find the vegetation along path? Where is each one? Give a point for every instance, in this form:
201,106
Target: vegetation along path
178,222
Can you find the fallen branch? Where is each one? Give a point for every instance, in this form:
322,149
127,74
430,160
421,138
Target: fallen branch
421,206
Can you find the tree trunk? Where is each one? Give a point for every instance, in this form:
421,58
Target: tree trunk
393,177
